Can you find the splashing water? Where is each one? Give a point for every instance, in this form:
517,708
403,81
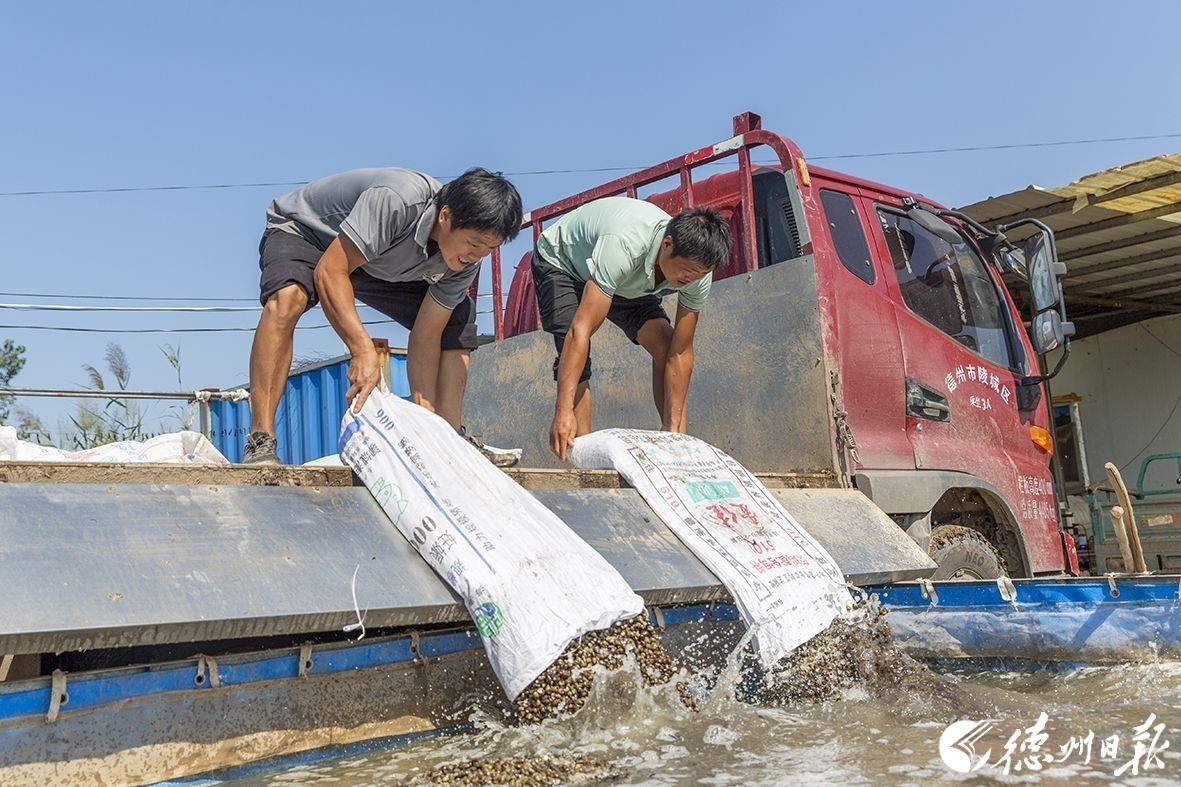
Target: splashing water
848,708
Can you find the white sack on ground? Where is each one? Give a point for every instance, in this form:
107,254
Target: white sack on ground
530,583
332,460
186,448
785,584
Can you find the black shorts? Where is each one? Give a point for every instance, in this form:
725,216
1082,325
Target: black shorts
558,296
286,258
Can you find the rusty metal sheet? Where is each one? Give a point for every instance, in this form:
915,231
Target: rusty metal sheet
624,530
95,567
153,473
759,392
868,546
89,566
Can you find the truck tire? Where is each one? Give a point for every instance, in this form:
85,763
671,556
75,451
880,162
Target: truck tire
964,553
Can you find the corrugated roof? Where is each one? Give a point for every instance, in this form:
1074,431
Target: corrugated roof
1119,233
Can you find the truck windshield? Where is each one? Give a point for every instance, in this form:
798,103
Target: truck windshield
948,286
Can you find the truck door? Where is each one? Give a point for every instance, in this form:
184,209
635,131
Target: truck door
857,308
962,363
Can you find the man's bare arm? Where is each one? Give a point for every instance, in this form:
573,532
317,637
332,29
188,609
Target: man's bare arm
678,370
422,354
335,289
592,311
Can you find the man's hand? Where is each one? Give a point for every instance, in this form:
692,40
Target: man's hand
364,375
562,433
336,297
592,311
424,350
678,370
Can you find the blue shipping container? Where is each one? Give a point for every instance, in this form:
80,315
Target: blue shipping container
307,423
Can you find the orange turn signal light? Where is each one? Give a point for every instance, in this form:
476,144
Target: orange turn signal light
802,168
1041,438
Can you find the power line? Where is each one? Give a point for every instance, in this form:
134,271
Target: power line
978,148
64,307
1158,339
70,329
1169,417
124,297
126,189
588,170
1151,440
58,307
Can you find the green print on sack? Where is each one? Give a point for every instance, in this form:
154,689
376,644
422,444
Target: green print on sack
488,620
389,496
711,490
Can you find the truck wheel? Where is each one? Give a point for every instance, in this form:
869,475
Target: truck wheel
964,553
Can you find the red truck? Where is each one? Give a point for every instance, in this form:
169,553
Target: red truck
861,335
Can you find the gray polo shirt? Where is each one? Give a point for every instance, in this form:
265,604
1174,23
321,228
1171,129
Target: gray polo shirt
388,213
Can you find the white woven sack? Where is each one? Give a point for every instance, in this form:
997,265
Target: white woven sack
189,448
530,583
785,584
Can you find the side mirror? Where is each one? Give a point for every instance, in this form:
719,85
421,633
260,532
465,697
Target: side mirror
934,225
1013,261
1049,332
1049,329
1029,393
1044,271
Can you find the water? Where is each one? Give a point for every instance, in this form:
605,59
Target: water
870,735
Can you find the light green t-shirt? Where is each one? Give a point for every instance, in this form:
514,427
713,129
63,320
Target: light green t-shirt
614,242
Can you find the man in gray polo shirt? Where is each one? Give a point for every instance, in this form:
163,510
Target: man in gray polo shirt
398,241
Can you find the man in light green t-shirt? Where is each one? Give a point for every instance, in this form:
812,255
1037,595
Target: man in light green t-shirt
613,259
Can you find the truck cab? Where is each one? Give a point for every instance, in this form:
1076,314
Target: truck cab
861,336
932,356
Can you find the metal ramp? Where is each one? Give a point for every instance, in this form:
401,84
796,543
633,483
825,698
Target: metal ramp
104,556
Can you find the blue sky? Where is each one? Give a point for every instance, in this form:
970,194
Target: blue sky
159,94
